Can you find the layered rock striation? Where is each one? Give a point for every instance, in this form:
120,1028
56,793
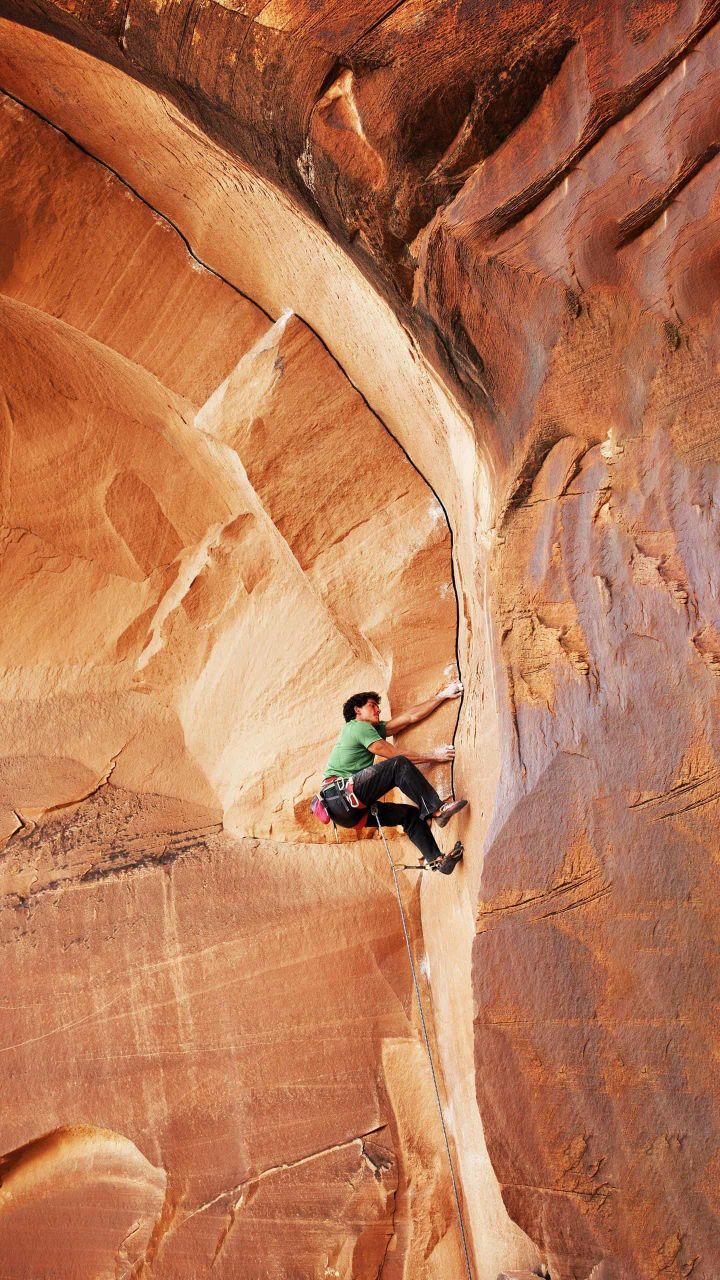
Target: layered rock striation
342,347
221,1020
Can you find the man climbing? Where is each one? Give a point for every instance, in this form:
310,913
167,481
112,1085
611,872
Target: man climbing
363,767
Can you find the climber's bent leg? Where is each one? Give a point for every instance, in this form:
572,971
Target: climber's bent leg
415,827
369,784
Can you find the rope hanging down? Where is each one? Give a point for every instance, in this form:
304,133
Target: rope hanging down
456,1193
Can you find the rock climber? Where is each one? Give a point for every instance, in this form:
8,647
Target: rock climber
364,766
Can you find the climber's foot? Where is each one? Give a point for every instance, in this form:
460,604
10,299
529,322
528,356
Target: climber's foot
447,811
448,862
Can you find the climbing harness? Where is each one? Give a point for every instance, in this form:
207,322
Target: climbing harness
349,809
393,868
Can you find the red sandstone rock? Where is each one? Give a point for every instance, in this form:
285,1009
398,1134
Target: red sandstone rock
76,1199
143,571
247,1019
532,190
171,553
78,246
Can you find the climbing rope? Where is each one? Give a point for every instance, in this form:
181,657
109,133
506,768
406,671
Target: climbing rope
461,1222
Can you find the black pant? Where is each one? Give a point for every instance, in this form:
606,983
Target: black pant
369,784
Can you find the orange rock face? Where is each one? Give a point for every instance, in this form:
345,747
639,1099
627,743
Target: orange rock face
187,624
349,347
246,1025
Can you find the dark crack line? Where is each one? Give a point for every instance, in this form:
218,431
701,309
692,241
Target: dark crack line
377,23
579,902
226,1230
313,1155
636,224
695,804
672,792
143,199
536,898
126,1261
103,782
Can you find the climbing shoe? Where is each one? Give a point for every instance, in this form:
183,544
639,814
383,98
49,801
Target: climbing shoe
447,864
448,811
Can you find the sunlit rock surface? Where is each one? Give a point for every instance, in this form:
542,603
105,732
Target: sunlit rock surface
195,590
298,283
73,1199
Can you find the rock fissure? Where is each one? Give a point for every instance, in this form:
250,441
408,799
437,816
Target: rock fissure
643,219
129,187
679,789
688,808
225,1233
533,899
312,1155
579,902
253,1180
162,1230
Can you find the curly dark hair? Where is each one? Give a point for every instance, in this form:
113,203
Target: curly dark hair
358,700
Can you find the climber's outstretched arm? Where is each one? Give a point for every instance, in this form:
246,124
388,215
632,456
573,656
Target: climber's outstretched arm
406,718
434,755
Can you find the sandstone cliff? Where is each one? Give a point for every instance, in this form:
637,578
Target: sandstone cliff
353,346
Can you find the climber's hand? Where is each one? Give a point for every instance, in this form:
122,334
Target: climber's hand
452,690
443,753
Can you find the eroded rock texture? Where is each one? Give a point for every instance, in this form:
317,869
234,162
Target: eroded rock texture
203,1067
248,1029
281,256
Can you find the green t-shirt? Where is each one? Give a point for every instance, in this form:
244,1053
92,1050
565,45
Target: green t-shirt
350,753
